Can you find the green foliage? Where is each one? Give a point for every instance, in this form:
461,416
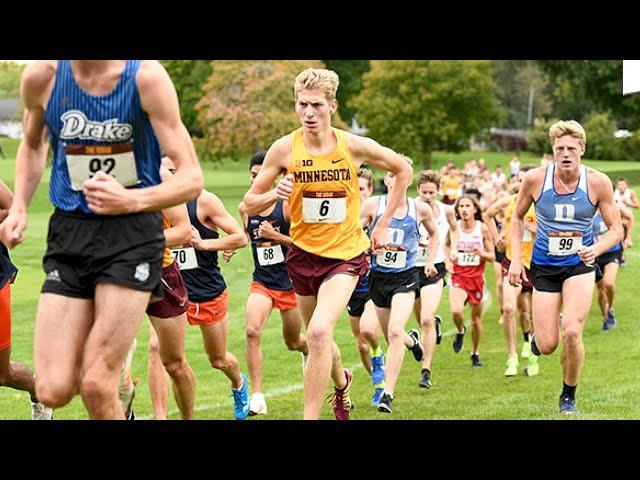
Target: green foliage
189,76
10,73
538,136
630,147
247,105
350,73
601,144
417,107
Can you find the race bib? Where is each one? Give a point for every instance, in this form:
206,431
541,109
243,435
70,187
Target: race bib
423,253
269,253
324,207
526,236
84,161
468,259
392,257
564,243
185,258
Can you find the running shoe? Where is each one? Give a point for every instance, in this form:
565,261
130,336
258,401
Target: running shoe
241,399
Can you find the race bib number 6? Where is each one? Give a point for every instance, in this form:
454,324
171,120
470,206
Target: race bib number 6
269,253
84,161
564,243
324,207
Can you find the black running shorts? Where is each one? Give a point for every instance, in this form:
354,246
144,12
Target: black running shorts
426,281
604,260
83,251
547,278
383,286
355,307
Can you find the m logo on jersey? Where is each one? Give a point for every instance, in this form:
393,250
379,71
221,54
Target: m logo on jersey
565,213
77,125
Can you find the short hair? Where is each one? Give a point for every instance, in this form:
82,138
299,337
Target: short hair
366,173
476,203
320,78
257,159
571,127
428,176
622,179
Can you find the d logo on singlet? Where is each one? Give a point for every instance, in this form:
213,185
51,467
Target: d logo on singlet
565,213
396,236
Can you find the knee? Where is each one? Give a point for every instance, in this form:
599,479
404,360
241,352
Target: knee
54,394
253,334
476,322
608,284
427,321
291,344
456,310
363,346
218,362
176,368
395,333
154,346
318,338
546,346
94,389
571,336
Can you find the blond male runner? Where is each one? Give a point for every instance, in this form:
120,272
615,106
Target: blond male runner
107,120
566,195
327,254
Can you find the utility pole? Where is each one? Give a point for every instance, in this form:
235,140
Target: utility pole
530,110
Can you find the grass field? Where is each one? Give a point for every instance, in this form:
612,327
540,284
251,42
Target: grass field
608,388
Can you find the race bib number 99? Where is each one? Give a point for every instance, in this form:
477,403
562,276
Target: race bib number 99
269,253
84,161
564,243
468,259
324,207
392,257
185,258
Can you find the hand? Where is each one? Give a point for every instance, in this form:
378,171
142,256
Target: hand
379,238
227,255
528,225
196,239
448,264
285,187
627,243
266,230
587,255
501,241
516,274
12,229
430,270
477,251
106,196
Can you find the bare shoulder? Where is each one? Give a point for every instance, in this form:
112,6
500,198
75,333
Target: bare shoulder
149,72
424,209
37,79
359,145
536,174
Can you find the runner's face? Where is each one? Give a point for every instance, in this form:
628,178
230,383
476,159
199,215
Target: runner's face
365,189
466,209
428,192
389,181
567,152
622,186
314,110
253,173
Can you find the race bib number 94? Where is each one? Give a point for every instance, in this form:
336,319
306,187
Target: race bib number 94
392,257
84,161
564,243
269,253
324,207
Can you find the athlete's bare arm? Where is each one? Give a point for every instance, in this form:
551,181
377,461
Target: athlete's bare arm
368,151
489,255
496,208
216,216
262,195
602,191
35,85
425,216
368,211
159,100
6,197
179,233
627,214
635,203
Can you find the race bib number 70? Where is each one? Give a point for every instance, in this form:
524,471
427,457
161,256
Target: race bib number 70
84,161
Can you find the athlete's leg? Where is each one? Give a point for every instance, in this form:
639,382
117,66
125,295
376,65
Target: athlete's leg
577,292
293,337
457,297
476,325
370,326
430,296
497,270
332,299
62,327
609,281
509,301
16,375
545,310
158,378
107,346
363,346
215,344
171,334
524,312
258,310
398,316
603,301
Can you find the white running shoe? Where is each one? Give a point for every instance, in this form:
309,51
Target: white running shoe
257,404
40,412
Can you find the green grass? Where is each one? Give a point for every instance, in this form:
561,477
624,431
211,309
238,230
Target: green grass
608,388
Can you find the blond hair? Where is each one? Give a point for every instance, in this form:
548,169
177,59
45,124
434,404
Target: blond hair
317,78
571,127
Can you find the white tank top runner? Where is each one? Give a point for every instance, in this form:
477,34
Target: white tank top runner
443,227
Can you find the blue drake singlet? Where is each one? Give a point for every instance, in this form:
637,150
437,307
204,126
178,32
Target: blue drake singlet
600,228
268,256
400,254
89,133
564,222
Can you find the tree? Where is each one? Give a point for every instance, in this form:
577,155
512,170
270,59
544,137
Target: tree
350,73
247,105
10,73
189,76
419,106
